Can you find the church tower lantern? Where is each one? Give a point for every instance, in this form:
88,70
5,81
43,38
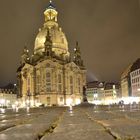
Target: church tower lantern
51,13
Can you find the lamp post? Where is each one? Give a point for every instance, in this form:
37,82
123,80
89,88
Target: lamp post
15,88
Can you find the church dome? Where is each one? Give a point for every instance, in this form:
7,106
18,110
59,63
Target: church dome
59,41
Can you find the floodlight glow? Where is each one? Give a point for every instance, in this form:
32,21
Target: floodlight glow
32,102
114,91
95,95
37,104
78,101
13,106
138,89
2,110
28,101
16,103
2,101
97,102
69,101
8,101
130,100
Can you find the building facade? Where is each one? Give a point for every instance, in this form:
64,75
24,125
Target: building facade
135,78
8,96
103,92
95,92
51,76
111,93
130,83
126,83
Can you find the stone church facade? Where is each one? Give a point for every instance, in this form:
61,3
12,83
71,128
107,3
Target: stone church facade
51,75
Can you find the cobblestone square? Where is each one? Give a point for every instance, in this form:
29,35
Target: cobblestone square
82,123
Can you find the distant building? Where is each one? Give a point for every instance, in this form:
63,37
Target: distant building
94,92
102,93
135,78
51,76
8,96
111,93
130,83
126,83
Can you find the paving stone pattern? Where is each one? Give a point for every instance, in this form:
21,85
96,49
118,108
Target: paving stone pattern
83,123
77,126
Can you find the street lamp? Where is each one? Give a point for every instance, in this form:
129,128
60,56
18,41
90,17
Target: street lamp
15,88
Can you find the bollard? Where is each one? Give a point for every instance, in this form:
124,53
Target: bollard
28,109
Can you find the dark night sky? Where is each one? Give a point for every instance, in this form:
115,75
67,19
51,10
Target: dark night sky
108,32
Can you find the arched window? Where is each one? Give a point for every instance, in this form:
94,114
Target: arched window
71,80
71,85
59,83
79,85
29,81
28,84
48,100
59,78
48,82
38,83
48,77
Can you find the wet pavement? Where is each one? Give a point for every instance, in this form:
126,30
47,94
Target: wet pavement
82,123
76,125
29,126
